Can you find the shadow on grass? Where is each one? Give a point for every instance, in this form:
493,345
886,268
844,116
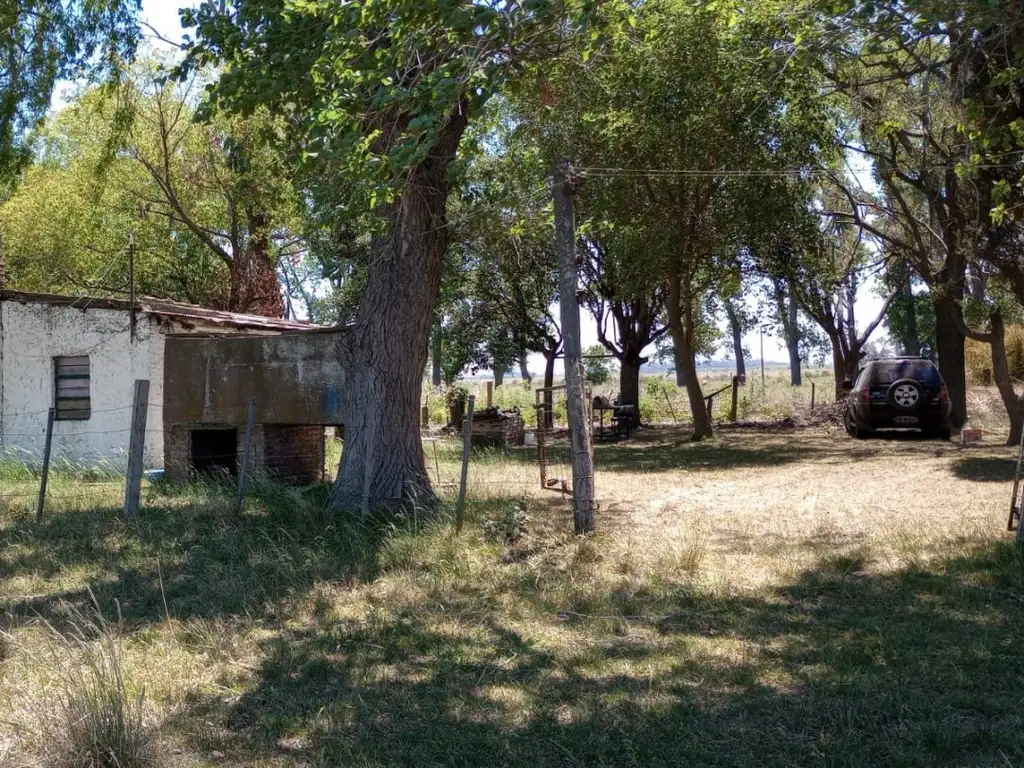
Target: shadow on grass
523,664
661,449
837,668
188,547
985,469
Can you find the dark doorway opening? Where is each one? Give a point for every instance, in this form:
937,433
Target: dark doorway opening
214,451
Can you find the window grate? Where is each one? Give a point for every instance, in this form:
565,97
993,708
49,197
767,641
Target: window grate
72,401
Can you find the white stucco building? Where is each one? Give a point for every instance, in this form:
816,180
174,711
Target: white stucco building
81,356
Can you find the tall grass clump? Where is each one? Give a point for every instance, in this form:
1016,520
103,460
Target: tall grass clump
92,719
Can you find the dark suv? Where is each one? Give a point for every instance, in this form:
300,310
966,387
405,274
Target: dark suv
901,392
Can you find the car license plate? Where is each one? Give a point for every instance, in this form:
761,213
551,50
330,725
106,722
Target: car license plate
906,420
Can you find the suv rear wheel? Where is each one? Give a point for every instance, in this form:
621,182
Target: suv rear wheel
853,429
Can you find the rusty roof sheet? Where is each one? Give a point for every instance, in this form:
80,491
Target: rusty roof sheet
164,308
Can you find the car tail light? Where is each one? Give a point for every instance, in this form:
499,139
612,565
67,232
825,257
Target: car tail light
943,394
865,395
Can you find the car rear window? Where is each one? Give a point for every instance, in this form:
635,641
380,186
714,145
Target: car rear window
918,370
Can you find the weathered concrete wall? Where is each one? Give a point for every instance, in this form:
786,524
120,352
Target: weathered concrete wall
295,379
33,334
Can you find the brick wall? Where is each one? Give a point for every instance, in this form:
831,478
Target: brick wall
293,454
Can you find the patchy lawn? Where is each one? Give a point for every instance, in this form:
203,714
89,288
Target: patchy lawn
759,599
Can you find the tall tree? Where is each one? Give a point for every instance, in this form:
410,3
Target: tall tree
377,98
45,41
626,301
210,207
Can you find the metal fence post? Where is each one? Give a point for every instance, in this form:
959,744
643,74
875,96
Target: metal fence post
243,470
136,449
46,464
467,440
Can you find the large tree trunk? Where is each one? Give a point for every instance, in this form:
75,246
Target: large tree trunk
254,286
949,342
435,356
912,345
793,343
839,367
737,340
549,381
1004,382
681,326
499,376
524,369
629,380
698,407
677,357
384,354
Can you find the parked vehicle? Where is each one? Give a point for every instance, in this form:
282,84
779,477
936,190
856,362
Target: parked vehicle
898,393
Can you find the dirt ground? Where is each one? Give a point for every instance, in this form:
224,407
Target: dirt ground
761,502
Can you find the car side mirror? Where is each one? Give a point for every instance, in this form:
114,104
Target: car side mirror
847,385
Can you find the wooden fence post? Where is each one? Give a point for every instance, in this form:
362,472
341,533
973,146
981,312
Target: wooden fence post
584,506
490,394
671,410
733,406
136,449
243,470
467,441
46,464
813,386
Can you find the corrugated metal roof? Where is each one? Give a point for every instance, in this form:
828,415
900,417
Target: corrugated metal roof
164,308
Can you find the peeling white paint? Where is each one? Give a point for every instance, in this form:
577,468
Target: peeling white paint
35,333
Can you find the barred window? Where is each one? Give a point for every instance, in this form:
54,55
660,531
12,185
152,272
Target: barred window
71,388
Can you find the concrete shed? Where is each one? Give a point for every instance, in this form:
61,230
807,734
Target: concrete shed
295,380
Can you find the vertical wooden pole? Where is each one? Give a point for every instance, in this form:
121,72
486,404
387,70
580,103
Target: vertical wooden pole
136,449
490,394
734,405
243,470
131,287
671,410
46,464
467,442
813,387
568,282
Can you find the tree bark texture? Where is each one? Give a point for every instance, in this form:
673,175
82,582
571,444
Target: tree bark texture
844,363
254,286
737,340
435,356
384,354
677,357
912,345
629,381
499,376
1013,403
524,370
793,342
949,342
681,326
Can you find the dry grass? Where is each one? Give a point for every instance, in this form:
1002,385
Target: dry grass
770,599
